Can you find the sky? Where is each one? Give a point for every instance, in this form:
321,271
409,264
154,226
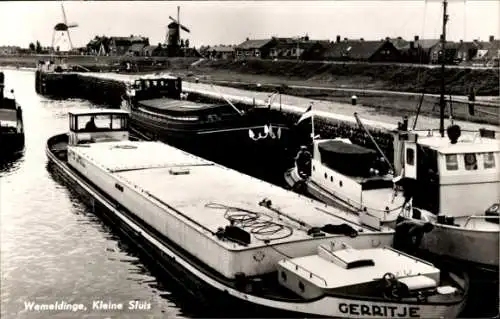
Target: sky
231,22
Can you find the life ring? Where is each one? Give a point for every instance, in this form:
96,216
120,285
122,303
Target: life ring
493,209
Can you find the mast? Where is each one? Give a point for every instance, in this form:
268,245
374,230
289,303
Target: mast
442,103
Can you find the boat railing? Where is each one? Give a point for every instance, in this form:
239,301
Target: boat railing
479,217
311,274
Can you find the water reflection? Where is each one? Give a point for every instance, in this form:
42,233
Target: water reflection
53,248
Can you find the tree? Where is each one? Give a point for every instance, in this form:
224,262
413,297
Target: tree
32,47
38,47
186,43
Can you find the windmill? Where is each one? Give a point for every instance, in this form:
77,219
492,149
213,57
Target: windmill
173,38
61,30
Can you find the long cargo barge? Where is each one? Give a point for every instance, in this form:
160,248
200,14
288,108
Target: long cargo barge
243,239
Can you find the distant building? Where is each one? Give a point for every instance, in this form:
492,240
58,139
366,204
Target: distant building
488,52
9,50
121,45
136,49
293,48
255,48
221,52
361,50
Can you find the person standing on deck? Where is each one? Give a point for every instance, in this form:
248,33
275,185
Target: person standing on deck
303,161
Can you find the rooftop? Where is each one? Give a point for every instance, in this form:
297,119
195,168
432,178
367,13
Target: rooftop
465,144
207,194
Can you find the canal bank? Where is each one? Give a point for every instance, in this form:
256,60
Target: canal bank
330,119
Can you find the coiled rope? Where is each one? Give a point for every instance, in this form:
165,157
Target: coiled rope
259,224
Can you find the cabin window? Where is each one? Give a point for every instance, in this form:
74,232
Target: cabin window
410,156
326,176
489,160
451,162
470,162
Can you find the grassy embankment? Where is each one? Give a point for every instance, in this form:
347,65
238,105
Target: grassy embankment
417,79
284,74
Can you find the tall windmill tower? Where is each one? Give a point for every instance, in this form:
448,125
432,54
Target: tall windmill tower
60,34
173,37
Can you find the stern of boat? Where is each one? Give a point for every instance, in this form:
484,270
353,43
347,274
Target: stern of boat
378,282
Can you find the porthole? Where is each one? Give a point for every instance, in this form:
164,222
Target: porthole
326,176
314,168
340,183
301,286
283,276
331,178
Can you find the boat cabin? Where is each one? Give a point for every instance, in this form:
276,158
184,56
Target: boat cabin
443,172
95,125
341,157
157,87
10,111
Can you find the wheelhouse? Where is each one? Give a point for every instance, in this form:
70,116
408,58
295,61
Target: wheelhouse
97,125
150,88
444,172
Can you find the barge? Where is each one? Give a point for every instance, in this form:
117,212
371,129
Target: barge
223,132
11,124
243,239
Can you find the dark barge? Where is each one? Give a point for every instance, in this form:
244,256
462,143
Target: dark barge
232,135
11,124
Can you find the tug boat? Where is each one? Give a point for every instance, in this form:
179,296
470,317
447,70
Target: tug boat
242,240
351,176
11,124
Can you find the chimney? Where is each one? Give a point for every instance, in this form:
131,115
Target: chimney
492,38
400,38
461,41
338,38
248,39
416,38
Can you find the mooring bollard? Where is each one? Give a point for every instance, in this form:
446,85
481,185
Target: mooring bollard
354,99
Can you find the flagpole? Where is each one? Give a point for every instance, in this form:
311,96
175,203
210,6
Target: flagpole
312,124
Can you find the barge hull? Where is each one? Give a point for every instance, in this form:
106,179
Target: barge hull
222,289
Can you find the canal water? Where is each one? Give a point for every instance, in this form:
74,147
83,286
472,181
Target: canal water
53,249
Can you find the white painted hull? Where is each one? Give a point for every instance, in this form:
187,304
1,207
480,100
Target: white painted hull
316,191
326,306
472,246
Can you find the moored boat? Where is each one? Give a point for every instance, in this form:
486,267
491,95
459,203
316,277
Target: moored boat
221,131
348,175
11,124
244,239
449,179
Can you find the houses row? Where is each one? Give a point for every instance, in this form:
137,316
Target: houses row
135,46
385,50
